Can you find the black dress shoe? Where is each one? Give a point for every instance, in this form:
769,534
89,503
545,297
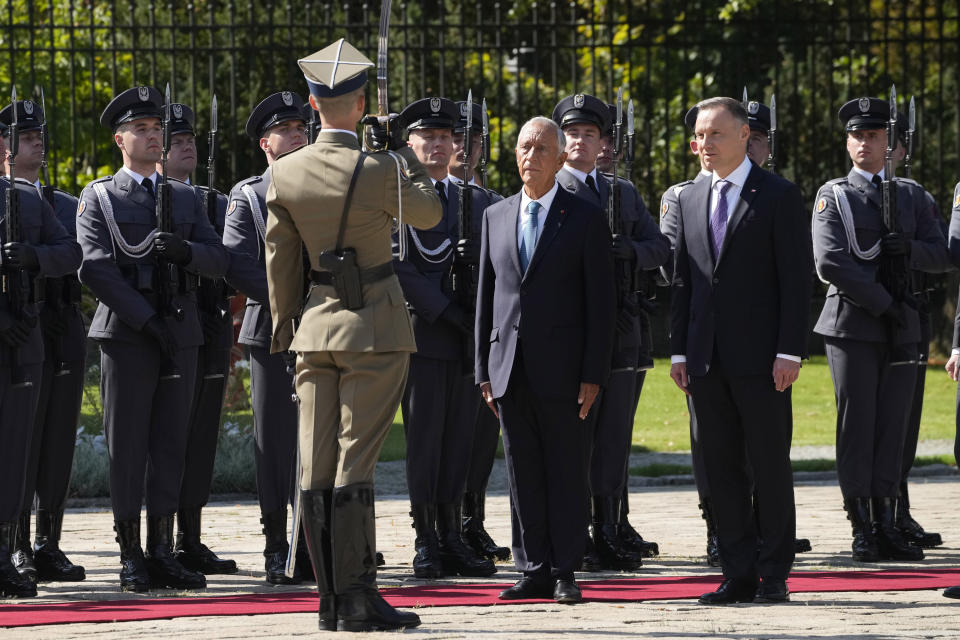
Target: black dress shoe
952,592
731,591
772,590
567,592
528,588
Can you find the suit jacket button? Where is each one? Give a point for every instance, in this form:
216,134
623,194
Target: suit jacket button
516,327
716,281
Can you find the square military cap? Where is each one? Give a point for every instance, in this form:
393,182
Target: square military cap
132,104
430,113
335,70
275,109
182,119
582,108
864,113
758,116
29,116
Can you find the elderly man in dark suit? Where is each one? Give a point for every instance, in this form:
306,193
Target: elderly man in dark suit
742,286
544,336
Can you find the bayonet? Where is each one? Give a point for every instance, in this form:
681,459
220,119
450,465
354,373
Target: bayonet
772,135
484,144
745,100
468,139
911,130
14,146
628,148
212,148
383,110
44,169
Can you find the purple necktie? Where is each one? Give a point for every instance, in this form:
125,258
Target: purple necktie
718,221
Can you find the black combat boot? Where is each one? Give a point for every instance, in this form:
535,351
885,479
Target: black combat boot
426,563
193,554
162,566
861,521
890,542
606,536
302,564
315,515
456,555
629,538
12,583
133,566
713,546
52,563
22,557
910,528
359,605
276,548
473,531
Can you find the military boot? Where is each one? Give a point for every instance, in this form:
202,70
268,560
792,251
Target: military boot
12,583
359,605
276,548
133,566
193,554
22,557
162,566
52,563
629,538
473,531
713,545
910,528
890,542
456,555
861,521
315,516
303,565
426,562
606,536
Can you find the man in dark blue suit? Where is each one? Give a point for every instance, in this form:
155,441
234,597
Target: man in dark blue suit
544,336
739,308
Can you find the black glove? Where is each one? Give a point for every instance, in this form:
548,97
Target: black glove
622,248
172,248
895,244
377,138
895,315
456,316
290,361
468,252
13,333
157,329
21,255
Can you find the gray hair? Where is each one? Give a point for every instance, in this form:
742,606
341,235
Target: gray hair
546,123
733,107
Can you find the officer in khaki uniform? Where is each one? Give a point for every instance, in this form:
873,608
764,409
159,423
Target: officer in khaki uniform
352,355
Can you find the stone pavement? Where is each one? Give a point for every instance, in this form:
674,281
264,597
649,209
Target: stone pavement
667,515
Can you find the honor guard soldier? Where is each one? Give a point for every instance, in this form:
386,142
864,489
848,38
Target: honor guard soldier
213,364
440,402
43,249
758,145
277,124
486,434
871,336
638,245
669,208
352,334
61,385
148,329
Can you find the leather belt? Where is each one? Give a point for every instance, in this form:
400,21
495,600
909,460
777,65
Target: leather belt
367,276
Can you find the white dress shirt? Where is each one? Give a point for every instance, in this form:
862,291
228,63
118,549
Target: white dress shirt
867,175
546,200
581,176
327,130
139,178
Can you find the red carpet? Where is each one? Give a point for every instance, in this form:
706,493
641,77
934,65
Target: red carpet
621,590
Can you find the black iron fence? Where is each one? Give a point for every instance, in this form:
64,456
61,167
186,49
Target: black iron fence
522,56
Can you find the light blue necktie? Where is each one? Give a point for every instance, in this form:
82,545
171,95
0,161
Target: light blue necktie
529,235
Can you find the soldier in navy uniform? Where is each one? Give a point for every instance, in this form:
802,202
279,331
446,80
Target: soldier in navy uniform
213,364
584,120
486,434
45,250
148,352
871,337
277,125
669,208
61,385
440,402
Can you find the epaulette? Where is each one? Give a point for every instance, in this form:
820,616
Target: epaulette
287,153
906,180
61,191
250,180
680,186
840,180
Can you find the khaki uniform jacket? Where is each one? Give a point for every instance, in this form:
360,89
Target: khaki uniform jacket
305,201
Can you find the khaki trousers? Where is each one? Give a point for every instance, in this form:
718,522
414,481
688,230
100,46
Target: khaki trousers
348,401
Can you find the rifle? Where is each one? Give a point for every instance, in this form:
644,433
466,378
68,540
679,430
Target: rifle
484,144
168,281
623,271
772,135
313,126
213,293
894,271
464,277
16,280
911,129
